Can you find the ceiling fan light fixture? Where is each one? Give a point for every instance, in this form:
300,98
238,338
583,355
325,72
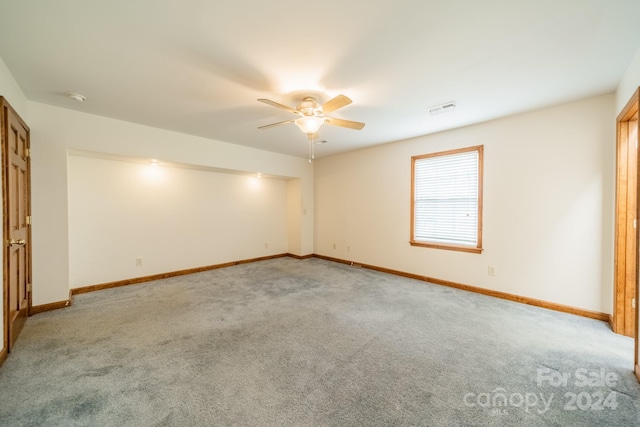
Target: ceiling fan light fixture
311,115
309,124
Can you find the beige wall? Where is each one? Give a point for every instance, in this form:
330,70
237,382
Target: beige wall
174,218
295,213
55,131
548,205
10,90
629,83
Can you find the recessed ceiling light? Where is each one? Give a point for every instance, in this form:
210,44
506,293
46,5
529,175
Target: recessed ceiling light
442,108
77,97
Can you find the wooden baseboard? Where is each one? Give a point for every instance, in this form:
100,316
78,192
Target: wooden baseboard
3,355
497,294
36,309
300,256
136,280
328,258
611,324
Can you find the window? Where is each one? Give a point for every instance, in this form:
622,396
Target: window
446,201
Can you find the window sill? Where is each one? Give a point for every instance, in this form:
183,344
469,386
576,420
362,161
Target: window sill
446,247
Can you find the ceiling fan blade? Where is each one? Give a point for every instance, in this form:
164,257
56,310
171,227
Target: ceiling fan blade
275,104
275,124
344,123
335,103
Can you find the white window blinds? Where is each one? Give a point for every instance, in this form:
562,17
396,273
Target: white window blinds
446,190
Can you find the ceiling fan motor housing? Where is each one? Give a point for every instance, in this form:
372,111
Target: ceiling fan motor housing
310,107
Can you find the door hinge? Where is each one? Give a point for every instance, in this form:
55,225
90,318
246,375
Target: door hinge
29,287
27,152
633,303
28,219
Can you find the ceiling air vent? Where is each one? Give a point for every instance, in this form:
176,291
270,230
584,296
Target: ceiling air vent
442,108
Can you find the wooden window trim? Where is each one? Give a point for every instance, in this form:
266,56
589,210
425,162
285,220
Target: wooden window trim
471,249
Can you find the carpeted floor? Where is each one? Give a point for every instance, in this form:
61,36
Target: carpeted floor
286,342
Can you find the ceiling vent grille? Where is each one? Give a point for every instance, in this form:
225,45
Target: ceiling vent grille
442,108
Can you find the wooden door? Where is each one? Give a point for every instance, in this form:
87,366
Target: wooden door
16,197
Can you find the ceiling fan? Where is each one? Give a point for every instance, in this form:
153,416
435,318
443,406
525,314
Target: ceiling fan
312,115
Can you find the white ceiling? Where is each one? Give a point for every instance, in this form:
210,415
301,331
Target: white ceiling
198,66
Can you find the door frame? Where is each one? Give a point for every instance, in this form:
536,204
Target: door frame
621,311
627,209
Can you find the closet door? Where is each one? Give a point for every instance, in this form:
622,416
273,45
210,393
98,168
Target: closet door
16,227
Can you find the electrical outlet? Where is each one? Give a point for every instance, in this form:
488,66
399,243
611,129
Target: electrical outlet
491,271
138,262
266,245
334,246
348,248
